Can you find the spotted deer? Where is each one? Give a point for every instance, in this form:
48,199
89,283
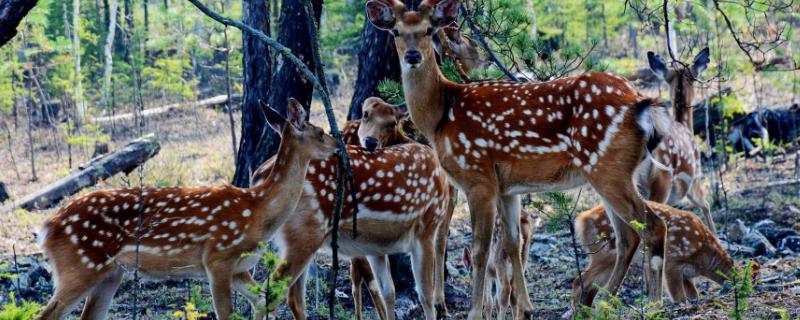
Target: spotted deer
690,250
402,196
678,150
178,232
461,48
498,295
497,140
386,125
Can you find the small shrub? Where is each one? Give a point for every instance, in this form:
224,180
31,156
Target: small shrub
25,311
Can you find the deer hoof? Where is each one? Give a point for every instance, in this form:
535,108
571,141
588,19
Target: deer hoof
441,311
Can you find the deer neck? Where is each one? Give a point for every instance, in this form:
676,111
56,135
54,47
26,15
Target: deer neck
279,194
682,104
425,96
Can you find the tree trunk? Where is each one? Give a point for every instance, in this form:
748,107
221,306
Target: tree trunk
257,72
11,13
109,60
287,81
30,133
377,60
228,104
80,104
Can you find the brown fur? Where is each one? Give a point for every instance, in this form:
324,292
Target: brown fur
185,232
500,139
419,211
691,250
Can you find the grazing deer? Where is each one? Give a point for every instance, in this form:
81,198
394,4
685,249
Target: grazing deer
690,250
178,232
499,267
498,139
402,196
678,150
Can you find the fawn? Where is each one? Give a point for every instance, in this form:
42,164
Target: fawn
402,194
690,250
179,232
497,140
678,150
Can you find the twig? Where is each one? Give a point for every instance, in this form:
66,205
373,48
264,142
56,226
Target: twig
485,45
575,243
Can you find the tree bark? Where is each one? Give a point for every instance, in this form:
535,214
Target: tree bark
80,104
287,81
11,13
257,75
109,60
124,160
228,104
377,60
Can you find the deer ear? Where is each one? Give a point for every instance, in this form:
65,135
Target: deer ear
700,62
657,65
380,15
275,120
444,13
296,114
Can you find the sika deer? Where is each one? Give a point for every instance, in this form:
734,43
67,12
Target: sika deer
185,232
499,268
403,207
678,150
497,140
691,251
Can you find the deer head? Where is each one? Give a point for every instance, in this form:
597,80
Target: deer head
412,30
295,128
680,80
379,124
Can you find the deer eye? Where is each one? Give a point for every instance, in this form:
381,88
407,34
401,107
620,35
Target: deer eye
366,114
393,125
395,32
429,31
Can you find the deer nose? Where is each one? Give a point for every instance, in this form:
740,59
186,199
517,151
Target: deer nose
413,57
371,144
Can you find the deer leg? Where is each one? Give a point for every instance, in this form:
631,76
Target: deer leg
627,241
355,285
99,299
697,196
242,282
71,287
297,296
220,278
512,242
380,268
601,266
675,285
423,259
482,206
689,288
441,254
361,272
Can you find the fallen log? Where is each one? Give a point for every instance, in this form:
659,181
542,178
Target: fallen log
123,160
213,101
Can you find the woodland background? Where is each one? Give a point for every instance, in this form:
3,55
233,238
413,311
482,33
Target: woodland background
79,75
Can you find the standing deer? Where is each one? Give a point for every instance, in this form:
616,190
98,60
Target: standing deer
387,125
402,196
678,150
498,139
691,250
178,232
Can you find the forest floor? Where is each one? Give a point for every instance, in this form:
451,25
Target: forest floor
196,150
